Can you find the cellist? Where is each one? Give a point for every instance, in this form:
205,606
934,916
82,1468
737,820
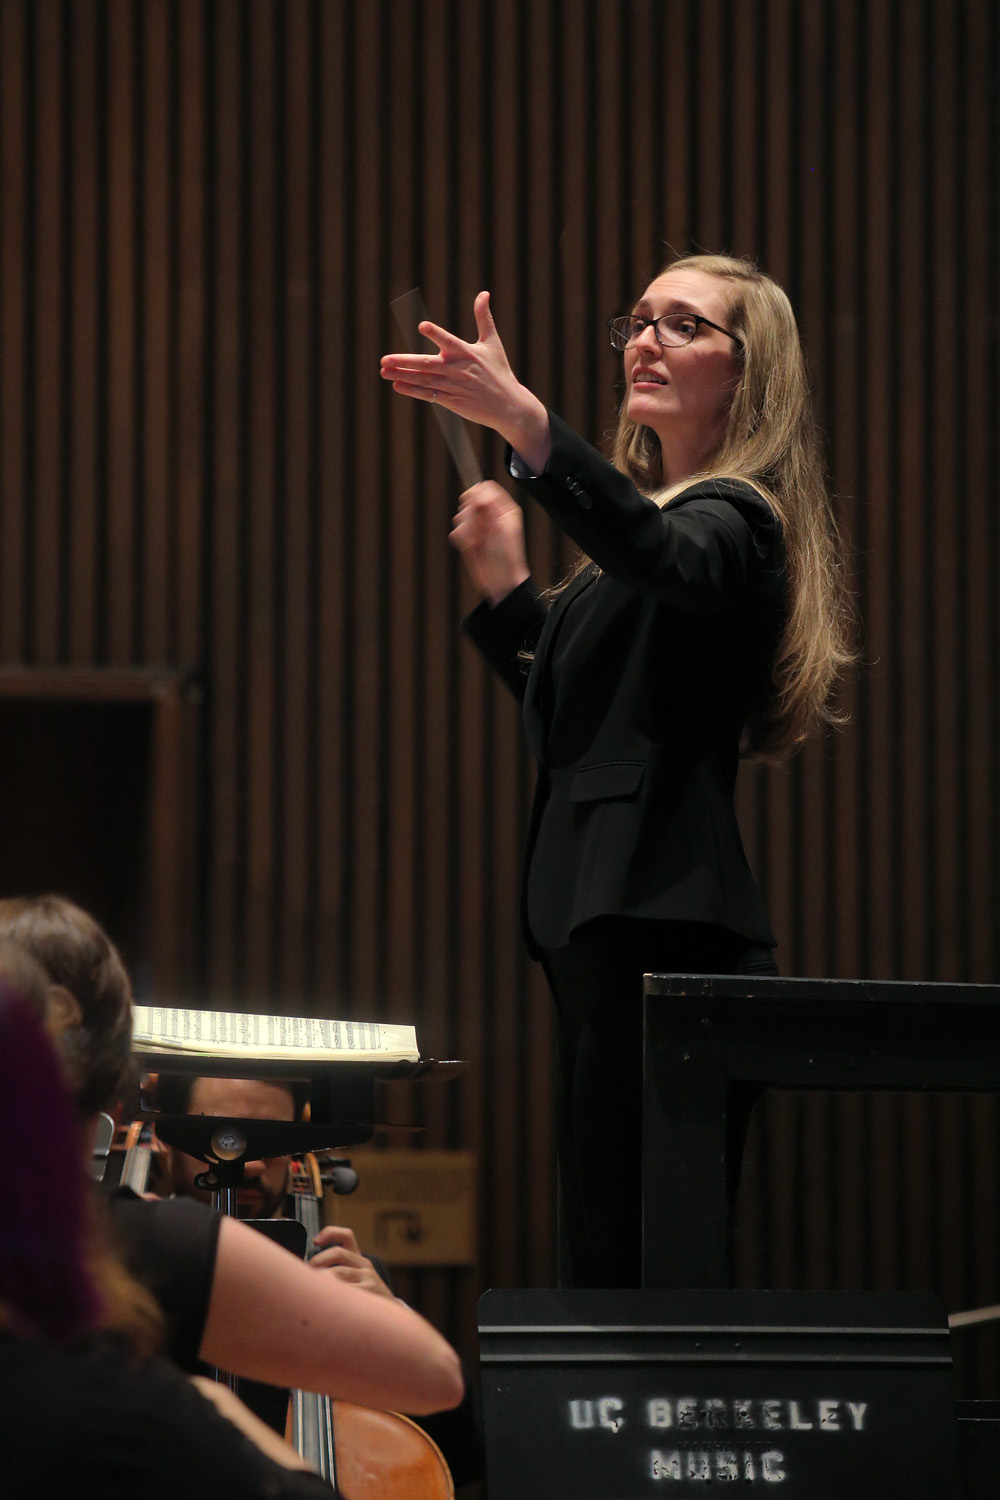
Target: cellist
263,1194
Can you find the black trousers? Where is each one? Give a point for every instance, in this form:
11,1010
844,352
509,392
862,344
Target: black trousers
596,982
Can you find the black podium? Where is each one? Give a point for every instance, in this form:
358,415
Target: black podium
814,1396
705,1035
652,1392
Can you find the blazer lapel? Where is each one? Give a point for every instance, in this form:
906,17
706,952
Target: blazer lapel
536,694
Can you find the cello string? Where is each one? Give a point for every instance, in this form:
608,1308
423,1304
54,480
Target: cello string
312,1414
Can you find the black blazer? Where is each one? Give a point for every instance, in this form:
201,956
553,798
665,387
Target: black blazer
644,672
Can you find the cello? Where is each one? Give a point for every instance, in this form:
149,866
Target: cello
142,1151
363,1453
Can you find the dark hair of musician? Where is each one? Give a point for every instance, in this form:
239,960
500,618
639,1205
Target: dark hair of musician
77,954
18,970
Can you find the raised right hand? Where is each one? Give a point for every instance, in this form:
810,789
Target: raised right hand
488,530
476,382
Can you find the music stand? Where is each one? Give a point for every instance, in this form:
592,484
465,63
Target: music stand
341,1100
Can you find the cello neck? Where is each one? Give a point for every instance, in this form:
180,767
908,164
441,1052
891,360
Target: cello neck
308,1214
310,1415
377,1455
139,1150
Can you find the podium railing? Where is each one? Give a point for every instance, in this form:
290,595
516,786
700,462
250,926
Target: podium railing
706,1037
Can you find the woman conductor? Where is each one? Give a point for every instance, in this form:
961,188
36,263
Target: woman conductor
704,621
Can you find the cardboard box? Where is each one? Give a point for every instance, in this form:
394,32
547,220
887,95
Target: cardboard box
411,1208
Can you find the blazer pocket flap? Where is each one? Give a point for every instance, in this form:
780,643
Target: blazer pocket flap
616,778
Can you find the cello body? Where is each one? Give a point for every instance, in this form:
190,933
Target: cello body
379,1455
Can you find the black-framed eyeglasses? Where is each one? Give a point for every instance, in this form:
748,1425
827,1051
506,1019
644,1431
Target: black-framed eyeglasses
673,330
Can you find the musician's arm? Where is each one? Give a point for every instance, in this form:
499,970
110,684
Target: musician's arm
271,1318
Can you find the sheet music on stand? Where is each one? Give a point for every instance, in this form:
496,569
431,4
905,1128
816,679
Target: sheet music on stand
170,1031
341,1060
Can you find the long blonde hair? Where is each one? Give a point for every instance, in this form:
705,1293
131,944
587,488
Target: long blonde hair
772,442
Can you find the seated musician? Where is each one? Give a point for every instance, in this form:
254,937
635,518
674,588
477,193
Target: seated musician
84,1407
264,1189
315,1333
263,1194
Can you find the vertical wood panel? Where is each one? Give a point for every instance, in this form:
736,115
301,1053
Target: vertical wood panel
415,523
711,81
191,390
778,814
368,708
84,355
47,331
458,1013
611,89
156,476
296,484
947,891
578,127
881,604
848,350
745,161
15,176
227,808
912,624
440,204
121,276
813,896
336,509
978,477
263,687
677,129
640,163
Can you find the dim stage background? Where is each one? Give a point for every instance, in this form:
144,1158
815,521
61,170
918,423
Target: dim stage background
240,721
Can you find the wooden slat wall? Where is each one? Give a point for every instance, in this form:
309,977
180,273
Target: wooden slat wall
205,209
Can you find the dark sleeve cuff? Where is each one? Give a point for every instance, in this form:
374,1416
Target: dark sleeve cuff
503,632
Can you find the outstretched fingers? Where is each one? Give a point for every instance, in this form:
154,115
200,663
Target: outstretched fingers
420,392
485,326
421,376
473,380
448,343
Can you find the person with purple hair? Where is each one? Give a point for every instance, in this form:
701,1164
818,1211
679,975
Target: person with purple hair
45,1289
